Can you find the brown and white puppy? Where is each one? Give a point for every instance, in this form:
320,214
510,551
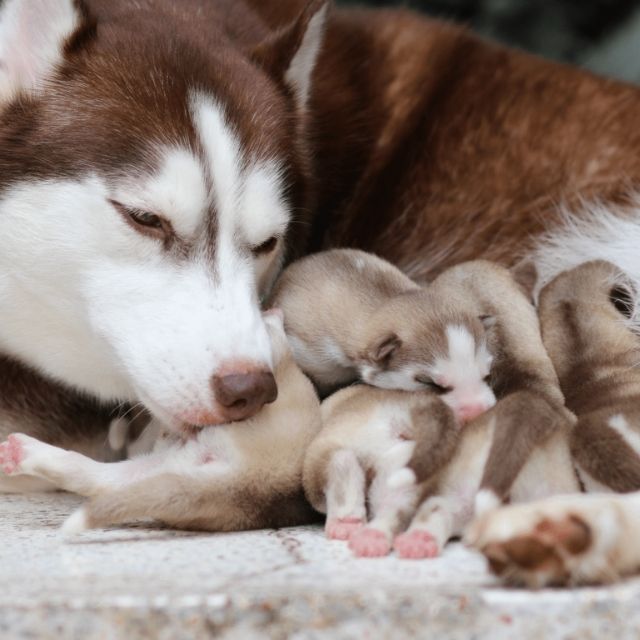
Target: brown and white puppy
238,476
352,316
585,316
355,469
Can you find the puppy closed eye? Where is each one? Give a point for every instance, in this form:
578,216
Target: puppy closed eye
428,382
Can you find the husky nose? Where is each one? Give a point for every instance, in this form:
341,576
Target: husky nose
242,395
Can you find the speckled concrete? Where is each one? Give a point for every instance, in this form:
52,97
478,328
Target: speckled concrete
154,583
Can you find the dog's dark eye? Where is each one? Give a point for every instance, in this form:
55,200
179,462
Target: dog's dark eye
428,382
143,221
266,247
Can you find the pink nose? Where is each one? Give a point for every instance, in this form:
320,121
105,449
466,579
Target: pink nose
242,395
468,412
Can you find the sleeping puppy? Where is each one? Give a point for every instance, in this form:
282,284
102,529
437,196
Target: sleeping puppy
238,476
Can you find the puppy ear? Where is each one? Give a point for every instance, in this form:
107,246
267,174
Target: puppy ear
34,35
384,348
290,55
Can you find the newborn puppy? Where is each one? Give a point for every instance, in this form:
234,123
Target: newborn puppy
238,476
585,316
350,316
360,459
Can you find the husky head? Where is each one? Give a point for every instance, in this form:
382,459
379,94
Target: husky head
150,164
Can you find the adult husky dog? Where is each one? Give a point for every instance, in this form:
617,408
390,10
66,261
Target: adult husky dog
160,160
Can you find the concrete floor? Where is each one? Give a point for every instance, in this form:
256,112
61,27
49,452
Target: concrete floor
155,583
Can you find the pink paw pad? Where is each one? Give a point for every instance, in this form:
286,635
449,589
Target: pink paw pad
11,455
369,543
416,544
342,528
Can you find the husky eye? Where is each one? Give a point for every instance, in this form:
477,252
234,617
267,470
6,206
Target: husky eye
428,382
143,221
266,247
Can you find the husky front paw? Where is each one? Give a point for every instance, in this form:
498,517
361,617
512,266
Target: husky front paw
560,541
11,455
369,543
416,544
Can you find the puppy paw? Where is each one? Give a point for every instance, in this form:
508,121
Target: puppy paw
342,528
369,543
12,454
416,544
19,454
570,540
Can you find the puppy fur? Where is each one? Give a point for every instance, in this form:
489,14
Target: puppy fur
584,314
327,299
238,476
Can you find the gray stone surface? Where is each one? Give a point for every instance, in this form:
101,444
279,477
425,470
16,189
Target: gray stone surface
154,583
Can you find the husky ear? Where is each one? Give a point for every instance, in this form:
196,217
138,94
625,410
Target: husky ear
33,38
290,55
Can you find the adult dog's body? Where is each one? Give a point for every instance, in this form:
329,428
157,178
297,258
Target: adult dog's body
158,160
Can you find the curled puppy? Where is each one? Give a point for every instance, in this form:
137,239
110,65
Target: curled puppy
360,459
585,316
350,316
238,476
327,300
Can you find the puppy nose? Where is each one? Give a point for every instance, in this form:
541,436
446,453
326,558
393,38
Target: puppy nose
242,395
470,411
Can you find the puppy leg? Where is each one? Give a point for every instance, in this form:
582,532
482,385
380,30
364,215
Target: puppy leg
24,456
391,505
345,494
606,449
437,519
563,540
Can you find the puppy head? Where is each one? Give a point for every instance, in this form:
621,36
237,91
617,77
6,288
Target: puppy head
416,343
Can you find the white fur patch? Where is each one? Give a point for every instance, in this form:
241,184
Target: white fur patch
463,371
32,36
600,232
177,192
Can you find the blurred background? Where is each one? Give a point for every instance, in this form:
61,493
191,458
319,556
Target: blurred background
602,35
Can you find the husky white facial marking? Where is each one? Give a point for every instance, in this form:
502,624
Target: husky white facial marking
178,192
32,35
